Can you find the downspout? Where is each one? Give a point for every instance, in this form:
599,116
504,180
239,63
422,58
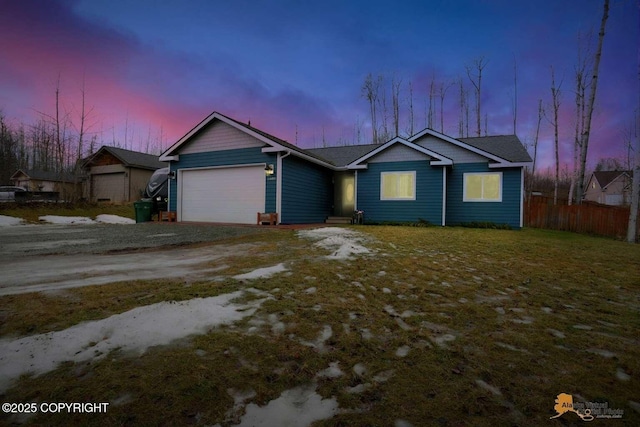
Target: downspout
279,184
444,196
521,197
355,190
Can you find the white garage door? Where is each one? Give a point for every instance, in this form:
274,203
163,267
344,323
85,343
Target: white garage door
232,195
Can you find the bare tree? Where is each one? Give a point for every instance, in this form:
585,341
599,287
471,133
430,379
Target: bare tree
555,99
584,140
476,81
463,121
515,94
432,93
411,114
395,99
580,74
443,92
535,141
370,90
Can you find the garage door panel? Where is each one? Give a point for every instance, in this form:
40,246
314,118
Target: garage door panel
109,187
231,195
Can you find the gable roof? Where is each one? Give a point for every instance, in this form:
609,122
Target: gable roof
343,155
507,147
605,178
44,175
128,158
274,144
437,158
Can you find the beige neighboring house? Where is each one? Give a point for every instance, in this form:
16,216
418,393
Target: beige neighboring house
117,175
610,188
44,181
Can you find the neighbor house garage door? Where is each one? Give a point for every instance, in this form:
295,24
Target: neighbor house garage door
232,195
109,187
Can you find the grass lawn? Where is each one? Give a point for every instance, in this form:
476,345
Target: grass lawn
438,326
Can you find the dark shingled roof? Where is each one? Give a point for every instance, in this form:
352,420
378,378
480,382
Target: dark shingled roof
606,177
506,147
131,158
45,175
343,155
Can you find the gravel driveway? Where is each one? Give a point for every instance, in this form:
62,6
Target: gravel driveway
42,239
36,258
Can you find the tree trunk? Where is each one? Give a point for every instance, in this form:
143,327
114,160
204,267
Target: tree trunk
584,143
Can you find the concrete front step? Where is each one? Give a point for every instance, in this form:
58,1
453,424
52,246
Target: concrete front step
338,220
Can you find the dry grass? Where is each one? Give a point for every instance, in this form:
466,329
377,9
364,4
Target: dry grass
467,304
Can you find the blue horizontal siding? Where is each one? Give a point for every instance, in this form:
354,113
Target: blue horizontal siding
505,212
428,203
226,158
307,192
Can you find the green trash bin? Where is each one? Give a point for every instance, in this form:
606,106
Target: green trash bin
143,210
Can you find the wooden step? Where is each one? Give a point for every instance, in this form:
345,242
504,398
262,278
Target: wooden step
338,220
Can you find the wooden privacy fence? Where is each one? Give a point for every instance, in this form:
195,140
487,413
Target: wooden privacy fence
602,220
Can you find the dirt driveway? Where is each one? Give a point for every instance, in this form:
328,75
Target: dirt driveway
53,257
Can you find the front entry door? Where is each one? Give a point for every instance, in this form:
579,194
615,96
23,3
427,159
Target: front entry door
344,194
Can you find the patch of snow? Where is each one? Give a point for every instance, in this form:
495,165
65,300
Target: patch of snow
366,334
133,330
297,407
318,344
403,351
384,376
359,369
55,219
511,347
262,273
556,333
360,388
386,290
604,353
402,423
311,290
9,220
622,375
333,371
342,241
489,388
114,219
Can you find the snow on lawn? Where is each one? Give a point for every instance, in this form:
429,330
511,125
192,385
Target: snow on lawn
297,407
9,220
55,219
114,219
342,241
262,273
134,330
104,219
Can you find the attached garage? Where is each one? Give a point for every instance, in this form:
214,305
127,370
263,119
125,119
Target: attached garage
221,194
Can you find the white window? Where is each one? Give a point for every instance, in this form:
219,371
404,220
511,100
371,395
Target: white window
398,185
482,187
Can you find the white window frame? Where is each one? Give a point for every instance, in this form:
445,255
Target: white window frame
482,199
383,174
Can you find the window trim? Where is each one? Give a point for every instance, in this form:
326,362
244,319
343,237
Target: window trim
481,200
397,199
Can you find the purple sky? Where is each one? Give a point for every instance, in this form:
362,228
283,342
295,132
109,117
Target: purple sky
153,69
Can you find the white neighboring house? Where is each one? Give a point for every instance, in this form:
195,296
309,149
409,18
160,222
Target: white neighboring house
610,188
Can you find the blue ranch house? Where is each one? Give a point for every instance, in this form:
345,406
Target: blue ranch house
226,171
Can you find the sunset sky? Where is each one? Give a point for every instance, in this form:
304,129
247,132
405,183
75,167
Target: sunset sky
153,69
